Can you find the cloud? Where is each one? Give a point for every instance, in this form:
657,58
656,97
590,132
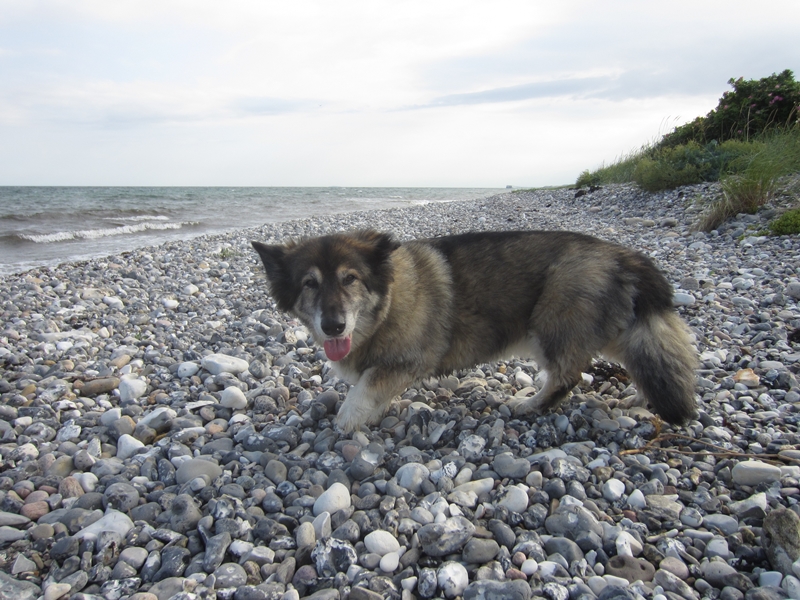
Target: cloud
311,92
580,87
269,106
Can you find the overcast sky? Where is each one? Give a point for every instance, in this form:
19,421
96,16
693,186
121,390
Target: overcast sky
452,93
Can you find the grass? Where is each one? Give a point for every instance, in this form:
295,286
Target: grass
620,171
749,172
749,143
755,181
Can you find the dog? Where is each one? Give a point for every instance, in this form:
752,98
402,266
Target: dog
391,314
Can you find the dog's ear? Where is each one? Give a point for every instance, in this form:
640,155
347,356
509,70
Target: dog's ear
280,281
382,244
380,247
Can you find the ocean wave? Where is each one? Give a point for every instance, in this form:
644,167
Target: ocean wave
139,218
92,234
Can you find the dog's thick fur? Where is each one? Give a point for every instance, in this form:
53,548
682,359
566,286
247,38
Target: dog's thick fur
391,314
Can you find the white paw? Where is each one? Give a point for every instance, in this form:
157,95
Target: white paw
524,407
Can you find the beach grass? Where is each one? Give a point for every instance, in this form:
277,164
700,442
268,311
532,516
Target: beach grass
756,178
749,144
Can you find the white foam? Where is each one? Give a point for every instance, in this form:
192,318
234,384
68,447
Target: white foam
91,234
139,218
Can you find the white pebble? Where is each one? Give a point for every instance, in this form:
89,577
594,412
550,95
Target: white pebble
529,567
127,446
381,542
770,578
233,397
222,363
390,562
187,369
613,489
637,499
452,578
131,389
333,499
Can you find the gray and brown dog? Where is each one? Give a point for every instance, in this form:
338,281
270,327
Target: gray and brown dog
390,314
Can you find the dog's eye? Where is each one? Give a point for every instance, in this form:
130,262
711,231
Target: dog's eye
349,279
311,284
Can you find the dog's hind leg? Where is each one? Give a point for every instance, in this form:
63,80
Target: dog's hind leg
561,378
368,399
563,351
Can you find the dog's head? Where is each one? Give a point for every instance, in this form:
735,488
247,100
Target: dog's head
335,283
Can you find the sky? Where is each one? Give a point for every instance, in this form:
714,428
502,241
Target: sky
417,93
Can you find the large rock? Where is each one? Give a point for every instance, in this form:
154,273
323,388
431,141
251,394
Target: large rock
196,467
754,472
441,539
222,363
781,539
570,520
333,556
498,590
13,589
113,520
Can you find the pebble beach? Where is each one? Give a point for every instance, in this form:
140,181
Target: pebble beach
165,432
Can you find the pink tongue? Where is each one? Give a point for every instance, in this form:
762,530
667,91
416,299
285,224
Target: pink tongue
337,348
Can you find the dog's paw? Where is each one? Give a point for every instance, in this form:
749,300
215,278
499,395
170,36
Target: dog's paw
344,424
350,418
631,401
525,407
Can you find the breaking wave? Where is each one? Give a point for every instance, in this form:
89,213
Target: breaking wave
92,234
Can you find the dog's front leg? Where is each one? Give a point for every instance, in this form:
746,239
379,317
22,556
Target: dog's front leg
368,399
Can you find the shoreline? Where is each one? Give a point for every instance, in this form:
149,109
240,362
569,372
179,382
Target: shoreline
115,405
88,227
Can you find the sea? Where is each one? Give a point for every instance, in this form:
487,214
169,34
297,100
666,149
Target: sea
46,226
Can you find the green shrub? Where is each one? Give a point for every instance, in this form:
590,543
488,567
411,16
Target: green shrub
753,107
787,224
734,156
587,179
753,178
654,175
671,167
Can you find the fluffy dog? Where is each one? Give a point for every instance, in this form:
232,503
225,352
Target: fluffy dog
390,314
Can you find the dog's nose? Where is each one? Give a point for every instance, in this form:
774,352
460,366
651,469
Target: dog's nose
332,326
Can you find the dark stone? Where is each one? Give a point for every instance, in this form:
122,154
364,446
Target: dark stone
64,548
333,556
502,533
174,560
613,592
565,547
89,501
146,512
215,551
441,539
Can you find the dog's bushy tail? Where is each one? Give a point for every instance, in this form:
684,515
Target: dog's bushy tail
657,352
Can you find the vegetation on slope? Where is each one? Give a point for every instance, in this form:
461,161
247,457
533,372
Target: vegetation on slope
748,143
